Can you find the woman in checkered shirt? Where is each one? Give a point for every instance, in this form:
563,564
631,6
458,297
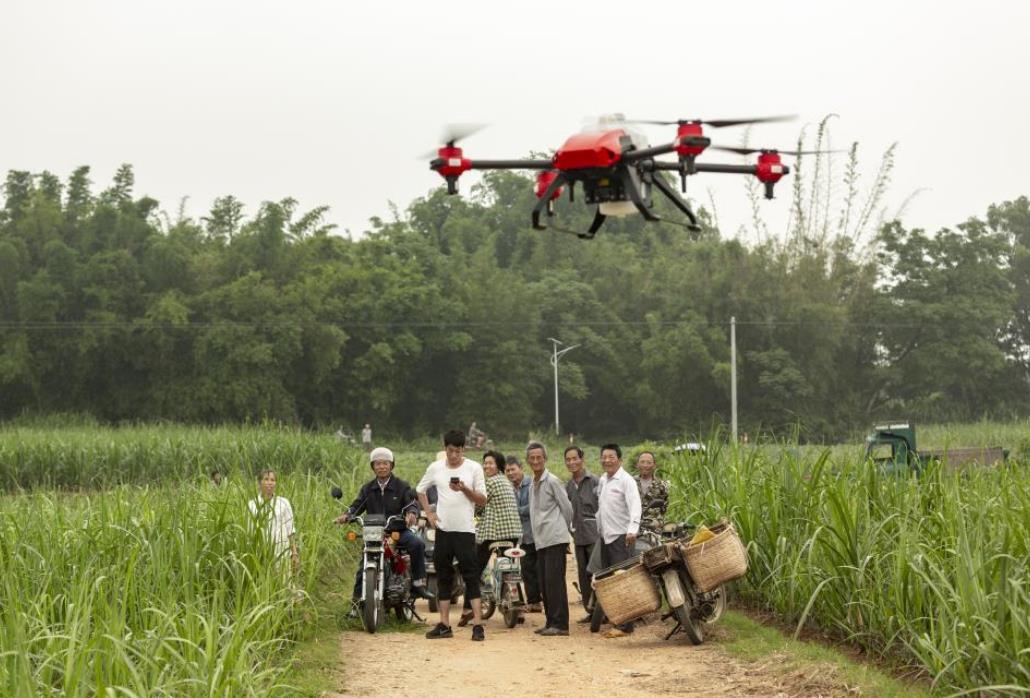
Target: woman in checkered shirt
498,520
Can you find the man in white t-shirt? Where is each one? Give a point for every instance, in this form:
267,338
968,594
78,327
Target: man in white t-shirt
460,488
618,516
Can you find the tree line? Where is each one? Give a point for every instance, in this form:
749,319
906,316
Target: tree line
441,315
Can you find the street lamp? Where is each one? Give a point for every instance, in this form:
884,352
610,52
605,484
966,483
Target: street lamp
554,362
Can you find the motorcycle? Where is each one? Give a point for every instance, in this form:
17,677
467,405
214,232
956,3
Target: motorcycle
428,535
693,610
386,577
501,587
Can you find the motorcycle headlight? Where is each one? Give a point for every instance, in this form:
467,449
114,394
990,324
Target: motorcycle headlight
372,534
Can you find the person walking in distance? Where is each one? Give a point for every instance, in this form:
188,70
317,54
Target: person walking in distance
521,483
460,487
550,515
366,437
618,516
582,491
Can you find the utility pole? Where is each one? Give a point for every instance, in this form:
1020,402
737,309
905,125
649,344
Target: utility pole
554,362
733,378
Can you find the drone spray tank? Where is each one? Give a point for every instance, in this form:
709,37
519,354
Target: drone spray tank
617,120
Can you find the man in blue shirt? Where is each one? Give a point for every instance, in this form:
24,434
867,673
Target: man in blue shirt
521,483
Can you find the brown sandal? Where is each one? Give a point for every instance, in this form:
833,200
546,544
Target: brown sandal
465,618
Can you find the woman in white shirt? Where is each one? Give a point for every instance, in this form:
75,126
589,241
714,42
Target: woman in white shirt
277,515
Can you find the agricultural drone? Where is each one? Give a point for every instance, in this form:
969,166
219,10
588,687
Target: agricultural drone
617,167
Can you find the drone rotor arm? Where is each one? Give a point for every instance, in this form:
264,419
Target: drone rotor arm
646,153
511,164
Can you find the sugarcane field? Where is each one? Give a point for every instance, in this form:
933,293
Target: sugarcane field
562,349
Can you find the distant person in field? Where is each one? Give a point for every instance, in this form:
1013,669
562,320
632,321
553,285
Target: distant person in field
521,483
460,487
618,516
582,491
366,437
216,477
390,496
275,514
654,493
498,521
550,515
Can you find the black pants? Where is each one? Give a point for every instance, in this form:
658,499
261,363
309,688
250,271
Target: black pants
483,554
612,554
530,575
582,558
551,567
458,546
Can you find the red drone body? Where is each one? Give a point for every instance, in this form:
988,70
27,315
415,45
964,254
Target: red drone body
587,150
618,169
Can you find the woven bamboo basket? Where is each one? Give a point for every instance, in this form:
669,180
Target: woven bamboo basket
718,560
627,595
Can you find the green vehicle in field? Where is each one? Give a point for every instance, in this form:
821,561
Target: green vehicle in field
892,445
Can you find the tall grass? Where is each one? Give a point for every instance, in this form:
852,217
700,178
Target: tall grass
164,591
933,570
98,457
145,579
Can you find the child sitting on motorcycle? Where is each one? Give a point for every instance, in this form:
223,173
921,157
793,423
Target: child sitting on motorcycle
391,496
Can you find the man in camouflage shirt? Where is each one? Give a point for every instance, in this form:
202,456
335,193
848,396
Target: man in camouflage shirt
654,493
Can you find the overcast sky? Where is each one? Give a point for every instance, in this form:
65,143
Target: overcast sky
331,102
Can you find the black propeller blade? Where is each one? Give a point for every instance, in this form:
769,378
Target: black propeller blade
452,133
720,123
751,151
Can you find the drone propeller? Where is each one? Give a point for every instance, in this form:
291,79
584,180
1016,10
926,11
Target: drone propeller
751,151
720,123
452,133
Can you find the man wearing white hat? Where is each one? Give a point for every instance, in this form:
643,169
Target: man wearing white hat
390,496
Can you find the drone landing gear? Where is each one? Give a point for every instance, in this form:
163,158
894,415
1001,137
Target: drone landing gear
546,204
633,189
679,203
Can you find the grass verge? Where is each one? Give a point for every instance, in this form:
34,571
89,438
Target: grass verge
748,639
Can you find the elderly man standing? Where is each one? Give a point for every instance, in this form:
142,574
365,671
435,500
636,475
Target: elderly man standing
550,515
582,491
618,516
654,493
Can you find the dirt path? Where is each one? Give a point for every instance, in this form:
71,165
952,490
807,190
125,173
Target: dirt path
583,664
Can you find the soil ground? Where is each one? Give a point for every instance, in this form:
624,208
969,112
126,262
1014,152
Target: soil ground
583,664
